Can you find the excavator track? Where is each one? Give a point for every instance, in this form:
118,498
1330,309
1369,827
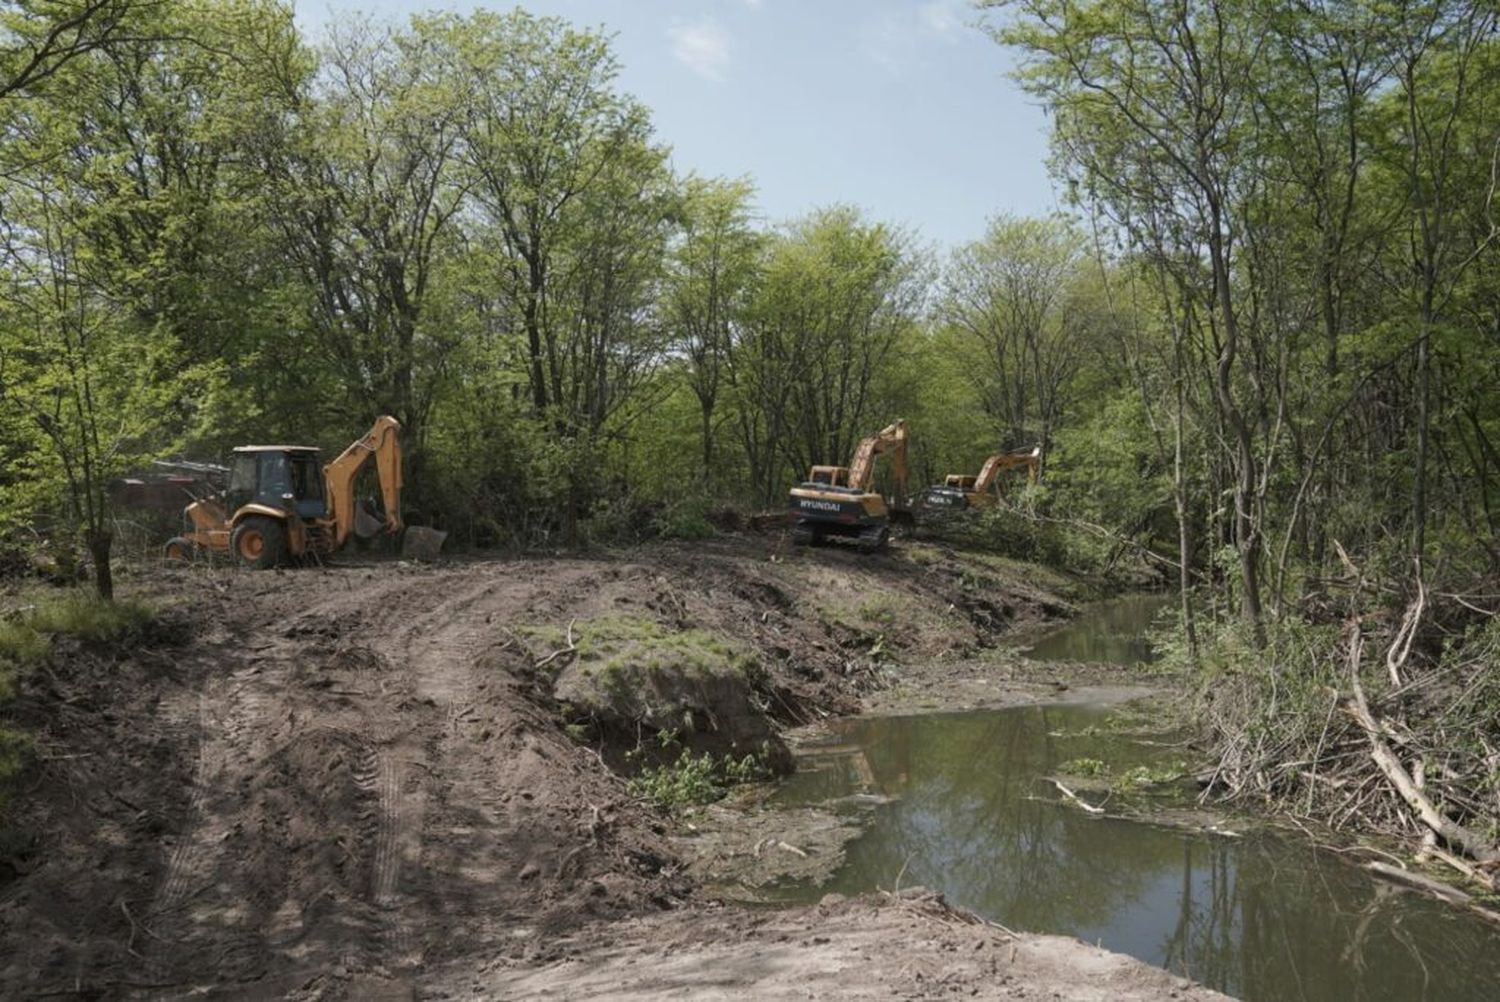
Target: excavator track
873,538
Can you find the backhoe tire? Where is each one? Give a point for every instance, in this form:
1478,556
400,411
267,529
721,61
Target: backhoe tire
259,542
180,549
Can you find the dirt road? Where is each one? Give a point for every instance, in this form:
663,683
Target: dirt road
355,782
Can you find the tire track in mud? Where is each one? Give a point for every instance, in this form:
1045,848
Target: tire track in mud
221,721
379,776
184,855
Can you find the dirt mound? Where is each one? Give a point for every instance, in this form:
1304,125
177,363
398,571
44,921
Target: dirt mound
353,775
912,947
629,676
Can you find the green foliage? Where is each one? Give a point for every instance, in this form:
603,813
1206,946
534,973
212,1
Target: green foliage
26,639
1090,767
685,519
695,779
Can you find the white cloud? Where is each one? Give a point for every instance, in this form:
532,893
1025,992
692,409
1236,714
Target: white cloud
702,48
885,40
753,4
897,40
944,18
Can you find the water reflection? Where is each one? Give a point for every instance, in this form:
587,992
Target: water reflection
1257,917
1110,632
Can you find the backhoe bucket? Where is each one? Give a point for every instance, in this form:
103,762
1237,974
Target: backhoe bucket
422,543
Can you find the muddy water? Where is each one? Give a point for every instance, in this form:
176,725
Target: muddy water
1258,916
1113,631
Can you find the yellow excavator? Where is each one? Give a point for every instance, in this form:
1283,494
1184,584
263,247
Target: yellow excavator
958,492
280,504
839,501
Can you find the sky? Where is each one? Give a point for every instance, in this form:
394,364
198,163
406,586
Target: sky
901,107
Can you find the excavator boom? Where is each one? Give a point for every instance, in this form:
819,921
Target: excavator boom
1030,458
890,440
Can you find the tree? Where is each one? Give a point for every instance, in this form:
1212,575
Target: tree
1015,293
365,195
837,295
710,282
38,38
84,384
543,129
1162,86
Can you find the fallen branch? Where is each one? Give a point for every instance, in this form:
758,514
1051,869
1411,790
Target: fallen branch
1075,798
1420,882
570,649
1400,649
1447,829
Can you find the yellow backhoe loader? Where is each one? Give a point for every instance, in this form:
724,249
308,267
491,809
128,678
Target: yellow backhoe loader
839,501
958,492
282,504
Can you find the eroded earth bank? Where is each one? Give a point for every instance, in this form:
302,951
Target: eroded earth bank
376,780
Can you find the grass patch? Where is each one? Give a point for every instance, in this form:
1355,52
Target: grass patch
612,645
27,636
874,614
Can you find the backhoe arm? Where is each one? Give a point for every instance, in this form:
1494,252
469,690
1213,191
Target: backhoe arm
382,443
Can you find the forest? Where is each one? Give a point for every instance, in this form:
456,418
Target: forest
1260,351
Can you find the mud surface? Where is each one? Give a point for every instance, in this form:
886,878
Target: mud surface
355,782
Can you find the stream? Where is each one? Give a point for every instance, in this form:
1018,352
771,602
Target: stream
963,809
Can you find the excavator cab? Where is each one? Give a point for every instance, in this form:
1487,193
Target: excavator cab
829,476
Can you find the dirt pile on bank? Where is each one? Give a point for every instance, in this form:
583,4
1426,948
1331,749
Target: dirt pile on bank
909,947
363,771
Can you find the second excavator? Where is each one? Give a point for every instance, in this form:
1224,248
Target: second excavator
841,501
958,492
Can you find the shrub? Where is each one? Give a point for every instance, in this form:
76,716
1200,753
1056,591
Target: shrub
695,779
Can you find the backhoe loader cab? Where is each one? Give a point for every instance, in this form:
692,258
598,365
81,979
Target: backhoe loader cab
282,503
279,476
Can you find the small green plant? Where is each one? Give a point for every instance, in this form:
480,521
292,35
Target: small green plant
878,609
14,749
695,779
1090,767
21,644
